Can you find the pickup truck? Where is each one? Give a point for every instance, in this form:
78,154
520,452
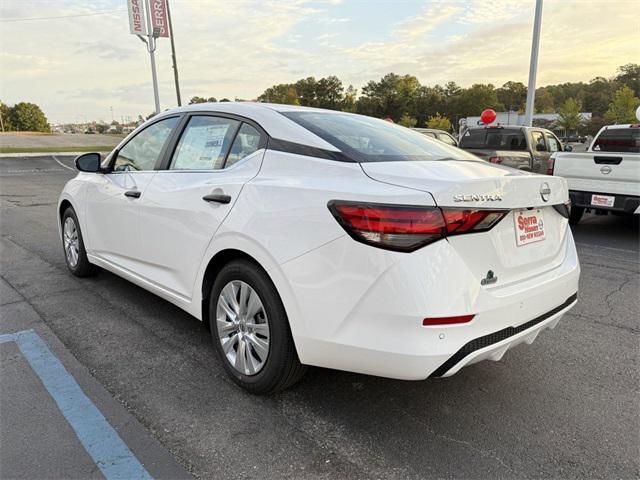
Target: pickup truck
516,146
606,178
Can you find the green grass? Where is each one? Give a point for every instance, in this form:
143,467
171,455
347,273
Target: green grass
94,148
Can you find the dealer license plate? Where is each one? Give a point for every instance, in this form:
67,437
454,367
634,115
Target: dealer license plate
530,226
602,200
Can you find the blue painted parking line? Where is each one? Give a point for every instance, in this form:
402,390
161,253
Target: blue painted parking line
97,436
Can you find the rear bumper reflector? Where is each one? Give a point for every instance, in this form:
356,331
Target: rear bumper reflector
428,322
485,341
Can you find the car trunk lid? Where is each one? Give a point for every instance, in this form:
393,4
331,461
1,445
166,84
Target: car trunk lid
472,185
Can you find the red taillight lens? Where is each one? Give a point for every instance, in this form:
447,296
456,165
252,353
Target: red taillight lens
465,221
430,322
390,226
564,209
551,165
495,160
407,228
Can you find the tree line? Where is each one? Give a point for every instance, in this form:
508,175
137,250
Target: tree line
23,116
405,100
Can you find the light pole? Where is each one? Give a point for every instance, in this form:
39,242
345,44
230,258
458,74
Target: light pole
533,65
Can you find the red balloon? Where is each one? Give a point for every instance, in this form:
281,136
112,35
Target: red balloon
488,116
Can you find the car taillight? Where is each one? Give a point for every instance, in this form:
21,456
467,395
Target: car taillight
564,209
407,228
495,160
551,165
471,221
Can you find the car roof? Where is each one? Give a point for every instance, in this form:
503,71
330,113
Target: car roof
512,127
620,126
267,115
429,130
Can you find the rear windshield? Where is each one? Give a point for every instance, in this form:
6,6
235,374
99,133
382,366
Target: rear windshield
618,140
494,139
367,139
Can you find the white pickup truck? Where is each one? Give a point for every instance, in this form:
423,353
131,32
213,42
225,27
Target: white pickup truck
606,178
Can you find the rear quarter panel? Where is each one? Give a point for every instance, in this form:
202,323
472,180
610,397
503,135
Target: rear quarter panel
282,214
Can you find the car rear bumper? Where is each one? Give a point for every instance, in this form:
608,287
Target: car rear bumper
622,203
494,345
360,309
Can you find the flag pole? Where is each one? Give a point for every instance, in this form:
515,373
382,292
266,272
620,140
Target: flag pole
173,55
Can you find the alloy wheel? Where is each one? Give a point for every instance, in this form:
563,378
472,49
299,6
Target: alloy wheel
71,242
243,327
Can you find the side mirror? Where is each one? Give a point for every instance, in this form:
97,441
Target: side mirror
568,148
89,162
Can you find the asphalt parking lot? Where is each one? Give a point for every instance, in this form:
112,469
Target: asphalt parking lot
564,407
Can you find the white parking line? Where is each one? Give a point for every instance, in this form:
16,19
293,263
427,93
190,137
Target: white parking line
62,164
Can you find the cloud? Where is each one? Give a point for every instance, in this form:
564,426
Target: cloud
106,50
432,16
239,48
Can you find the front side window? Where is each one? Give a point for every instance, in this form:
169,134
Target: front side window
204,143
552,143
142,151
246,142
367,139
538,142
618,140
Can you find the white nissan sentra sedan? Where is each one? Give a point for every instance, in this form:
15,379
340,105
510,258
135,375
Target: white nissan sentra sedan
312,237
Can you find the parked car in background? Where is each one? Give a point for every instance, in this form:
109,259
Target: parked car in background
438,135
524,148
574,139
606,178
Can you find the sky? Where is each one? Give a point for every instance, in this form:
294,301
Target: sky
86,65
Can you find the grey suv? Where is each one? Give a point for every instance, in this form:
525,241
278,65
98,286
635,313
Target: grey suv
525,148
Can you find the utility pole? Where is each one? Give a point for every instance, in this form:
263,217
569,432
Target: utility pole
173,55
151,48
533,65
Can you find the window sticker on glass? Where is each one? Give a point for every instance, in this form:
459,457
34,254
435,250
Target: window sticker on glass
202,146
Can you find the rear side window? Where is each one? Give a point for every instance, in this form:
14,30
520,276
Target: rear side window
537,141
618,140
247,141
204,143
367,139
494,139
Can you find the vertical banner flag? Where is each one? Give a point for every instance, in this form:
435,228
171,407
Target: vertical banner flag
159,17
137,24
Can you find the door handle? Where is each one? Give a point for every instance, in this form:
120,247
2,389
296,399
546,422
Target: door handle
217,197
133,193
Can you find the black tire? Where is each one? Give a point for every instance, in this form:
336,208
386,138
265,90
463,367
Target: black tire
282,368
576,215
82,267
